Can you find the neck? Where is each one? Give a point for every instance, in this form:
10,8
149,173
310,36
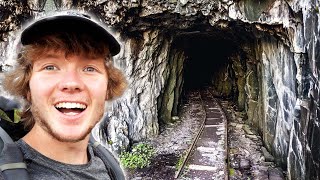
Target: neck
65,152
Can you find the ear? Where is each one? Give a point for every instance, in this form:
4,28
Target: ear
108,94
29,96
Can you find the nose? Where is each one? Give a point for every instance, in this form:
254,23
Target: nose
71,82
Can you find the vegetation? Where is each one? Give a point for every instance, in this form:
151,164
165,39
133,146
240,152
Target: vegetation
231,172
110,142
140,156
180,161
14,119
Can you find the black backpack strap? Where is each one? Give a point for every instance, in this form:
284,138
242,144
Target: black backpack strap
12,165
109,160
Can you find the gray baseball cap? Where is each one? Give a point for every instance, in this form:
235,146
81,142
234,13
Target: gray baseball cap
69,21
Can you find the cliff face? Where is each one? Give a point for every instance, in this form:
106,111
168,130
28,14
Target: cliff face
263,54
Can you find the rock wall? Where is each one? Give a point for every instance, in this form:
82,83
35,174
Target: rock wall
304,147
144,61
274,70
278,93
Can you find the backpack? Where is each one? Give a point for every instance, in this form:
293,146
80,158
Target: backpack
12,164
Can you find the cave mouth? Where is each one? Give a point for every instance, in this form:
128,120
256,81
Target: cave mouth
211,57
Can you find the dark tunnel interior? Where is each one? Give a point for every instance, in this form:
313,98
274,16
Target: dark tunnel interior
206,56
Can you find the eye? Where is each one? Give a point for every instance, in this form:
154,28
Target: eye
50,68
90,69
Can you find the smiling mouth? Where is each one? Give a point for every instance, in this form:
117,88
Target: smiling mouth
70,108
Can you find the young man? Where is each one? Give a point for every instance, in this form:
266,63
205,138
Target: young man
64,73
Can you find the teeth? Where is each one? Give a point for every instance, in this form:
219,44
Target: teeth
70,105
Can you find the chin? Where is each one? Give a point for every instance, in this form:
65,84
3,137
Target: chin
64,138
70,136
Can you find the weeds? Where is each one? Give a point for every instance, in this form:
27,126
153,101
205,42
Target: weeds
140,156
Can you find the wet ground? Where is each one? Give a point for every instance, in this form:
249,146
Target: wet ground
248,159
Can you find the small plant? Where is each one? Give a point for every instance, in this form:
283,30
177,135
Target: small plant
139,157
110,142
180,161
231,172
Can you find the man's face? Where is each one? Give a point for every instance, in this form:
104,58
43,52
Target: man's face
67,95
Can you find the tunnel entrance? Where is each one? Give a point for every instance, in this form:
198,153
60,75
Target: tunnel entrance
234,63
209,57
230,62
222,57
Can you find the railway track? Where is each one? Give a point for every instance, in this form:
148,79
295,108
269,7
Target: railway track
206,158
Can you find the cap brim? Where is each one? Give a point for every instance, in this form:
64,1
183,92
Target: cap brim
67,23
